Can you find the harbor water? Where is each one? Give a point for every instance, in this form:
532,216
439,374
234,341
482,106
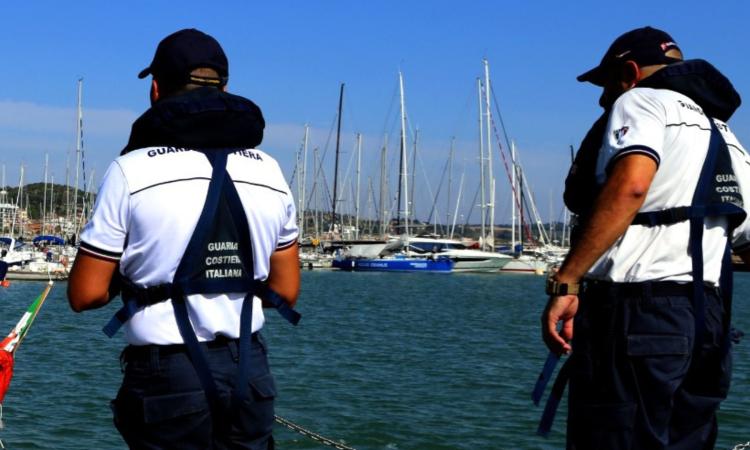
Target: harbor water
379,361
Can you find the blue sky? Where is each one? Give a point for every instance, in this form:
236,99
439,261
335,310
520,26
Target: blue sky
290,57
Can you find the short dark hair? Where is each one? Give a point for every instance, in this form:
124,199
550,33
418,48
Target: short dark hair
199,77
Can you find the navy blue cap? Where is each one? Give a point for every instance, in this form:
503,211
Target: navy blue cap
645,46
180,53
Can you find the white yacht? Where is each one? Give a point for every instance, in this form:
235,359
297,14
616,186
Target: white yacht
465,259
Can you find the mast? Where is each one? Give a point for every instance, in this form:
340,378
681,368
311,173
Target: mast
4,201
491,175
481,162
405,170
67,194
44,201
371,206
414,174
400,175
384,187
458,202
336,167
302,182
551,230
521,227
513,195
450,182
26,217
316,190
79,145
52,202
19,202
356,201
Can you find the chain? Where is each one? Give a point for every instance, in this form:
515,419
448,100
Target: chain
744,446
314,436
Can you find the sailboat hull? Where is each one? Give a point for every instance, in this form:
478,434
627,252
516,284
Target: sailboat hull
525,265
479,265
395,265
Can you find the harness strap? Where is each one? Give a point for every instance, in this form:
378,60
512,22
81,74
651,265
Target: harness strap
553,401
726,283
243,372
663,217
283,308
544,377
197,358
682,213
135,297
700,201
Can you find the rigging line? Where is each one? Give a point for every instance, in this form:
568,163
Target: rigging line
321,160
328,139
294,172
347,174
522,184
471,208
429,186
390,110
316,169
500,116
327,191
375,203
517,195
468,104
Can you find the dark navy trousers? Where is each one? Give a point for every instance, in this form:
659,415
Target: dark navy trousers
161,404
636,381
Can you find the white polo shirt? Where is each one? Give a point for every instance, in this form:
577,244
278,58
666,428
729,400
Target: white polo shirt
146,210
672,130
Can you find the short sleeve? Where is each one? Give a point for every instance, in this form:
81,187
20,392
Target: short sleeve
104,234
636,125
289,230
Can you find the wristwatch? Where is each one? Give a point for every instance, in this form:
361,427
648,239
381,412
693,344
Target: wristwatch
556,288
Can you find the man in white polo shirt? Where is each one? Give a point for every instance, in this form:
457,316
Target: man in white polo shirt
649,360
201,225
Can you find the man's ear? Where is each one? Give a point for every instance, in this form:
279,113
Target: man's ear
155,94
631,73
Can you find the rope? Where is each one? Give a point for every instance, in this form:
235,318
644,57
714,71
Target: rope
744,446
1,424
314,436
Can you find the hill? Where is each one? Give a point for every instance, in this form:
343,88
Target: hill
58,197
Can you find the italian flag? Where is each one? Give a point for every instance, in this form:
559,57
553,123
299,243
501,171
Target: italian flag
10,344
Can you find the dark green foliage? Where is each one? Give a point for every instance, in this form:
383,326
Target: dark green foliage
34,194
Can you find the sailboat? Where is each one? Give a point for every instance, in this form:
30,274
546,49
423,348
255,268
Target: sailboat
525,260
396,255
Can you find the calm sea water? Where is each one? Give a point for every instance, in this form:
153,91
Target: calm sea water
380,361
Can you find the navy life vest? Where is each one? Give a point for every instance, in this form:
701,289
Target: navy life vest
221,236
716,194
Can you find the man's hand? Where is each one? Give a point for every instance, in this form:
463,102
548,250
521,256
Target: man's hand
559,309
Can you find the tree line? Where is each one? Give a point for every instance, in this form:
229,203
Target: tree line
58,197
